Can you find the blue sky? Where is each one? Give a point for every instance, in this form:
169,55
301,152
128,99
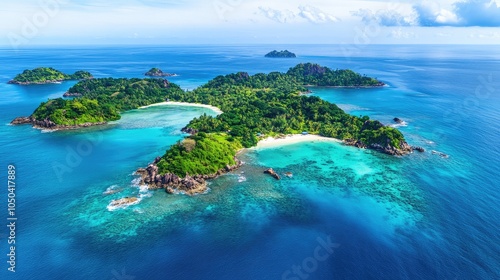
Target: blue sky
33,22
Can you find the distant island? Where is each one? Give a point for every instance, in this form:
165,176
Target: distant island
47,75
156,72
270,104
281,54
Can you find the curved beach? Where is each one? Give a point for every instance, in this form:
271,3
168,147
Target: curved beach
293,139
173,103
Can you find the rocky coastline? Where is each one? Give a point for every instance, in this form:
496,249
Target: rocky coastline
173,184
14,82
50,125
378,85
387,149
72,94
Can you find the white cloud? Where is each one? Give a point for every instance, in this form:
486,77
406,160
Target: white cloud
315,15
309,13
283,16
401,34
386,17
432,14
484,13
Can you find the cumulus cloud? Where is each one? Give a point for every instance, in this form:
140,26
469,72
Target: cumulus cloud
385,17
309,13
277,15
479,13
484,13
315,15
432,14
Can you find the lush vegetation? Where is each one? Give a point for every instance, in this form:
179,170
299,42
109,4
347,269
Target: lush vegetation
281,54
314,74
199,154
262,104
274,104
76,111
102,99
43,75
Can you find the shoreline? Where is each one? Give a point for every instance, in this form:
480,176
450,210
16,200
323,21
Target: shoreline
186,104
271,142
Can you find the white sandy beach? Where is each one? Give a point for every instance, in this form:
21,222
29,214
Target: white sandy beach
172,103
293,139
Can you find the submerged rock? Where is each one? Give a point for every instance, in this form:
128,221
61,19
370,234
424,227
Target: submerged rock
418,149
273,173
124,201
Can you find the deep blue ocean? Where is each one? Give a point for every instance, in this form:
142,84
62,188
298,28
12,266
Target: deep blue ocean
346,213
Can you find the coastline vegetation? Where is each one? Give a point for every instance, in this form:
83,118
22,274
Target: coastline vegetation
44,75
261,104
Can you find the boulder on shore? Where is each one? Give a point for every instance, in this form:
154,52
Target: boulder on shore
172,183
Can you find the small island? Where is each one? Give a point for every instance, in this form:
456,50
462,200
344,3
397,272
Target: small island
47,75
281,54
252,105
156,72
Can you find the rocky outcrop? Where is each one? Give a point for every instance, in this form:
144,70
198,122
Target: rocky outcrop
189,130
418,149
273,173
126,201
387,149
155,72
48,124
398,120
390,150
14,82
21,120
173,184
355,143
72,94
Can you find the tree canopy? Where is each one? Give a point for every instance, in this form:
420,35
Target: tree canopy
260,104
48,75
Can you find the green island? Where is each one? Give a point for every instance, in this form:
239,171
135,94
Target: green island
47,75
281,54
157,72
253,105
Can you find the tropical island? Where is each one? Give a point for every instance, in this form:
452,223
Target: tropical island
47,75
281,54
156,72
261,104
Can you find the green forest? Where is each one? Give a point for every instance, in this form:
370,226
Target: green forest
253,105
103,99
46,75
199,154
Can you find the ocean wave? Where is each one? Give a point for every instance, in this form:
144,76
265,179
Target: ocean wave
112,190
402,124
241,178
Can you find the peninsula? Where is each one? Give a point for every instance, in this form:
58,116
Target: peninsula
281,54
47,75
262,104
